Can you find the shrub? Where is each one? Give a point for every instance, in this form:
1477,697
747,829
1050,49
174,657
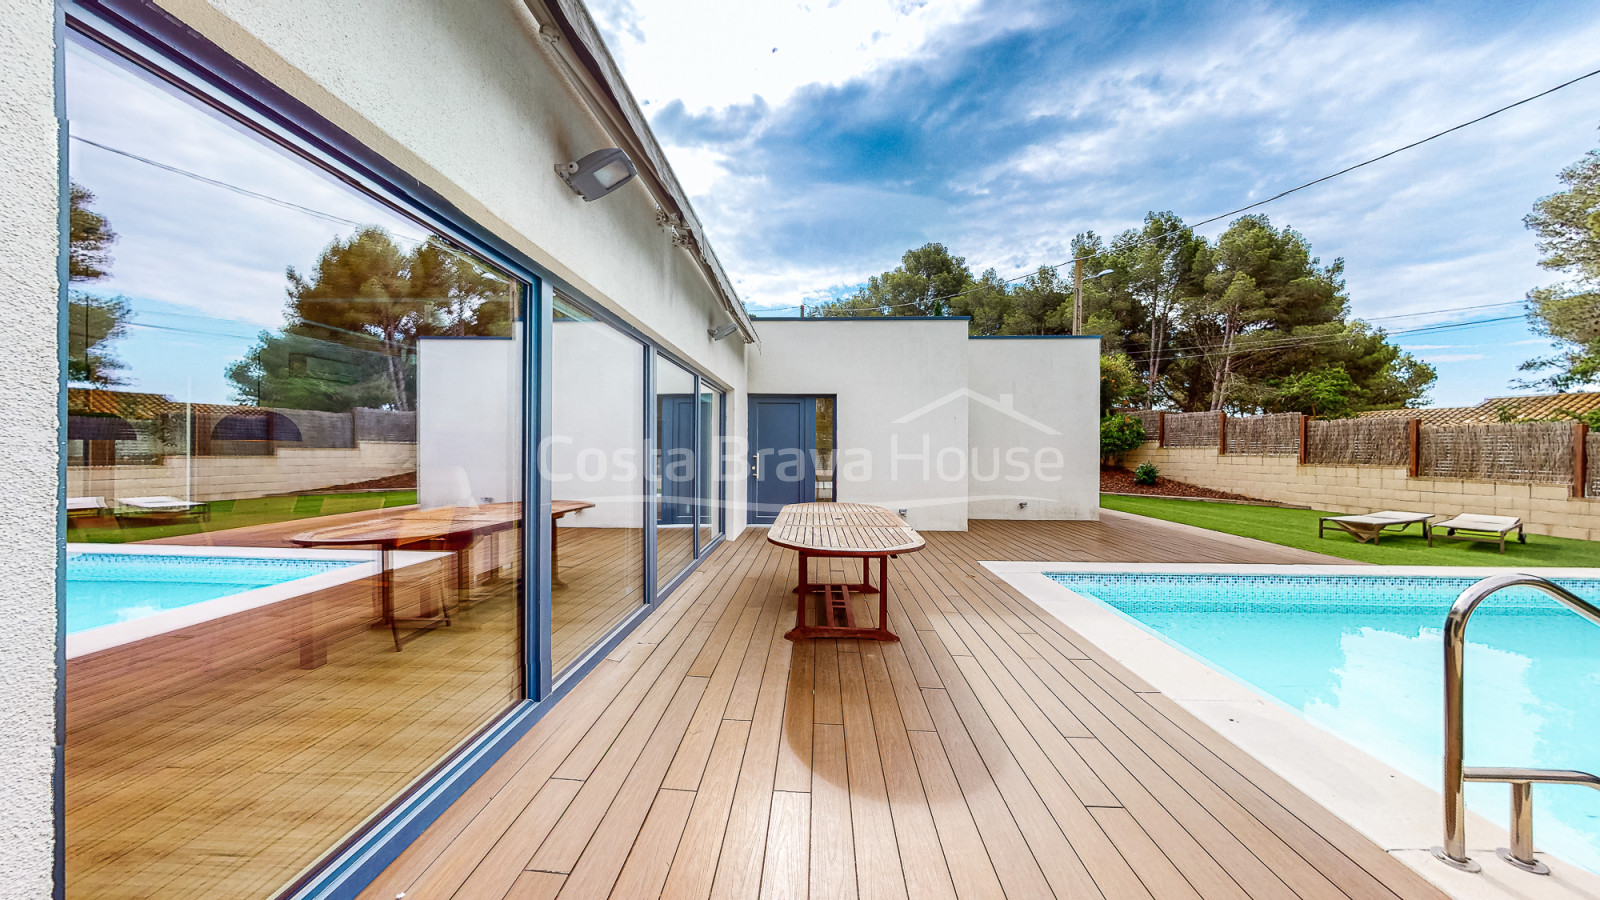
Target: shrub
1146,473
1119,383
1118,434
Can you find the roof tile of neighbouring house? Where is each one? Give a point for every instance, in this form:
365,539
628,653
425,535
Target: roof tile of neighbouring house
1499,409
135,405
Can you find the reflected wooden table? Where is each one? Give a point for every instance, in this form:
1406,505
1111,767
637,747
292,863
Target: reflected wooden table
559,508
853,530
449,528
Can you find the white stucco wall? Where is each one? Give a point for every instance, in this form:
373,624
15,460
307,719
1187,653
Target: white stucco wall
469,404
29,371
462,96
881,371
1033,426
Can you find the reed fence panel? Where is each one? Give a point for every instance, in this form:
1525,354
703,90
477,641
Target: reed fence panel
1536,452
1272,435
1193,429
1149,418
1358,442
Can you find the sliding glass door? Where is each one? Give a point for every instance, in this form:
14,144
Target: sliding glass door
594,457
295,484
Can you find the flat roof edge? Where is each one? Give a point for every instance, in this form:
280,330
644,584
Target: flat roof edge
861,318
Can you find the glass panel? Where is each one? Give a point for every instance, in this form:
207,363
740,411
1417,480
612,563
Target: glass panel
824,457
596,551
271,376
710,452
675,470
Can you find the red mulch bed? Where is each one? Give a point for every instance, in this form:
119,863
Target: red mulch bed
389,483
1115,480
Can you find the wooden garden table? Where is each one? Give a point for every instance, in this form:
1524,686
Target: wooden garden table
842,530
449,528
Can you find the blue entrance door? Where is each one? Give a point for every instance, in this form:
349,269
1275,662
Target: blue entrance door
678,463
782,441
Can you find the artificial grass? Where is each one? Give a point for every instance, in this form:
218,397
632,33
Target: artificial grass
1298,528
227,514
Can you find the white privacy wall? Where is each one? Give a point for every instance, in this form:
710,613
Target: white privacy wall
29,372
469,441
901,412
1033,422
596,450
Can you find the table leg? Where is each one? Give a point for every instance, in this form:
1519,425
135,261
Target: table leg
555,559
802,592
386,580
883,601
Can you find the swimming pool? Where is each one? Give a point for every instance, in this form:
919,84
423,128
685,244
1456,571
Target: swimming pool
1360,655
107,588
120,593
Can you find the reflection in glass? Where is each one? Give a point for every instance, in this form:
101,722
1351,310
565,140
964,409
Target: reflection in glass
710,453
675,470
594,459
293,577
824,462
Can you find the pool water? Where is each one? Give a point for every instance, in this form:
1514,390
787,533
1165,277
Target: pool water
1362,656
105,588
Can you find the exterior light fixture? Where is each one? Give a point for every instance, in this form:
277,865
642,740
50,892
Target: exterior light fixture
597,174
722,331
1078,279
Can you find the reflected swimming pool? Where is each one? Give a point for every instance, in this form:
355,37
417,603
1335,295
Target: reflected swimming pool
1361,656
109,588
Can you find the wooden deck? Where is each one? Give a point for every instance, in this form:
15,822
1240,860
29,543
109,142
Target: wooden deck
992,752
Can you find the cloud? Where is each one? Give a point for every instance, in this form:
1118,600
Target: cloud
1016,124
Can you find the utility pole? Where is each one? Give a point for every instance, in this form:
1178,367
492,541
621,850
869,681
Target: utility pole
1077,294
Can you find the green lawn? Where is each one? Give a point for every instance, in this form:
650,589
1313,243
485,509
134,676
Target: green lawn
227,514
1298,528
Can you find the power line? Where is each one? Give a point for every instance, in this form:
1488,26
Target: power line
1290,342
1281,194
268,198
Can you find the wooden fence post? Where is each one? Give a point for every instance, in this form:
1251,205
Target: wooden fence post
1161,429
1305,427
1414,433
1222,434
1580,458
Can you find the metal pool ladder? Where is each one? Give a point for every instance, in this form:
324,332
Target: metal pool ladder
1520,853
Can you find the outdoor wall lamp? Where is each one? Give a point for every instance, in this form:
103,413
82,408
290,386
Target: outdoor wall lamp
1078,279
597,174
722,331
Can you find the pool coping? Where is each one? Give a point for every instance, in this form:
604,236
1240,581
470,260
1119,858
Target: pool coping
115,634
1394,810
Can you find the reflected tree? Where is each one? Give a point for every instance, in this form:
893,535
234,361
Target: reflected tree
353,320
93,321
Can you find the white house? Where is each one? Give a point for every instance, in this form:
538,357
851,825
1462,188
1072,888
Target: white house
561,370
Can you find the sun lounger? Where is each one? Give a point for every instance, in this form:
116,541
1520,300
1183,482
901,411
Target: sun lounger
164,509
89,512
1372,526
1469,527
164,504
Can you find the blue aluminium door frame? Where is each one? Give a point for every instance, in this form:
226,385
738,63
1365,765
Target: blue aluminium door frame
781,428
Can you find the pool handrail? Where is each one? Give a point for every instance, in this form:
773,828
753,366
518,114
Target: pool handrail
1456,774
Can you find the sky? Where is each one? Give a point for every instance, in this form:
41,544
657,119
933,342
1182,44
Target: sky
201,265
819,141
